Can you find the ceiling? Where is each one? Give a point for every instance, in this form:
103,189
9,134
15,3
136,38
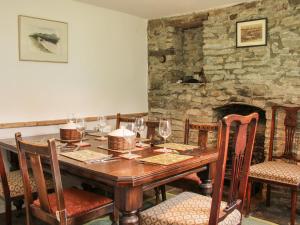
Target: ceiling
151,9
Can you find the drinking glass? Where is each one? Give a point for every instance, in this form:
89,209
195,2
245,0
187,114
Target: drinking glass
140,127
165,130
102,123
81,127
130,138
71,118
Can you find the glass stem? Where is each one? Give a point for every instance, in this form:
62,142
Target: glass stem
165,140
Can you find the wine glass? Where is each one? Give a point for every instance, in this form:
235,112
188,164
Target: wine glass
140,127
71,118
129,138
81,127
165,130
102,123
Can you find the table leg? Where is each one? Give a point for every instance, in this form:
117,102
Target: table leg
207,177
128,201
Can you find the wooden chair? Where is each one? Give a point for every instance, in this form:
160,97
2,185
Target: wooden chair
151,125
192,208
151,134
64,206
12,191
192,182
282,173
120,119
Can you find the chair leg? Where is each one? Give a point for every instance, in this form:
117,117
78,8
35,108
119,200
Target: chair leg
249,187
18,204
156,195
293,206
8,212
115,216
268,195
163,192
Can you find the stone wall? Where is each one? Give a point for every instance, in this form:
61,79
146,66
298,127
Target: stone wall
259,76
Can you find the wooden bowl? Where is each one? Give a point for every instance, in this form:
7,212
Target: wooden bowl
69,134
119,143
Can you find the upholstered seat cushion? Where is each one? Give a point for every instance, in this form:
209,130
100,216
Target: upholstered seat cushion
185,209
15,184
277,171
77,201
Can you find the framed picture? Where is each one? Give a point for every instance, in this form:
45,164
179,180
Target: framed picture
42,40
251,33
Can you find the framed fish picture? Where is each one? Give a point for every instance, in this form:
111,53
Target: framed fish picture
42,40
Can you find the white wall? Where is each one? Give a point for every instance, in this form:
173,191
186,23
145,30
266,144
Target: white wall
106,73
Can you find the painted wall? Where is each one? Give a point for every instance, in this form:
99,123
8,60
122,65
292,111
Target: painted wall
106,72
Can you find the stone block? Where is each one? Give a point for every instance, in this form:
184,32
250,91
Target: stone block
237,65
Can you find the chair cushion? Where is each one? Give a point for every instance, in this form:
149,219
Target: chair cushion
77,201
277,171
185,208
15,184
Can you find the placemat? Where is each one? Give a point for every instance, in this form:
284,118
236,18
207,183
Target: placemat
85,155
123,151
166,158
178,147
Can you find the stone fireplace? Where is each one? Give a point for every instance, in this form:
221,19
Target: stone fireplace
245,109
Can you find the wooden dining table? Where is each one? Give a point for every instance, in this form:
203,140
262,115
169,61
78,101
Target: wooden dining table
127,178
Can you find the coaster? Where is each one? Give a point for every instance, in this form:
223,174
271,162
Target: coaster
142,145
163,150
129,156
83,144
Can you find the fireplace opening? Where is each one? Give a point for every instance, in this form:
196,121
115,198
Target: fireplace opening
245,109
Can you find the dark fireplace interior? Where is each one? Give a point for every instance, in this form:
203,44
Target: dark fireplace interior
245,109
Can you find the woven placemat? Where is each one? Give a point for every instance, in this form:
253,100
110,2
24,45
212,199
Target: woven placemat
166,159
124,151
178,147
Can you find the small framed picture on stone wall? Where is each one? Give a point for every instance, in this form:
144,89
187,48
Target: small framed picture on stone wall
251,33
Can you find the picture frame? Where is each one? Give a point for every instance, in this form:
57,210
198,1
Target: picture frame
251,33
42,40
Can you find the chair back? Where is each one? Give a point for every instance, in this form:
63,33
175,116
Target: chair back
244,135
151,125
4,182
203,130
151,128
289,124
121,119
35,153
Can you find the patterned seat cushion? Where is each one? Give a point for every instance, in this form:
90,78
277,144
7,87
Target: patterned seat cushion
77,201
185,209
15,184
277,171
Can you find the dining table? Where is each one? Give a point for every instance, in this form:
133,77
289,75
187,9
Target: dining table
127,178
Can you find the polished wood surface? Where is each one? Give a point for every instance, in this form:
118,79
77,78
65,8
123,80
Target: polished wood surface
60,121
244,128
6,193
290,125
245,131
203,130
127,177
193,182
35,153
